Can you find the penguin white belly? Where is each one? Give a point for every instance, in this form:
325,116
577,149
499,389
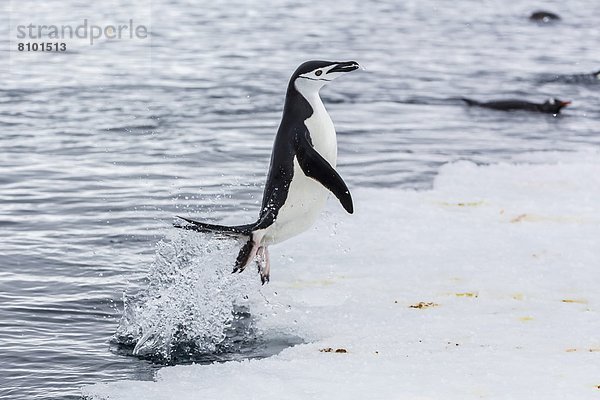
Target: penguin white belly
305,201
306,197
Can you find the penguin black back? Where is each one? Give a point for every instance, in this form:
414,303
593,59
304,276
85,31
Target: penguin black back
296,110
551,106
544,16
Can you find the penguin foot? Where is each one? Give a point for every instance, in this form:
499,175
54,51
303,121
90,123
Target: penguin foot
263,263
246,254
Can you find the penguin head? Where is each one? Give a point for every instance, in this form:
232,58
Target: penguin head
313,75
596,74
554,105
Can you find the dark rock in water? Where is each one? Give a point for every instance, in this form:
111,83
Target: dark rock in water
544,16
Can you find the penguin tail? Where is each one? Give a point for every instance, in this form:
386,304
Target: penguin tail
235,231
469,101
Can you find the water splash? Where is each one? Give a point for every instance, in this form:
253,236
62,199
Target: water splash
190,300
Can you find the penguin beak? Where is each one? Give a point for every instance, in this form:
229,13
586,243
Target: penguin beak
346,66
564,103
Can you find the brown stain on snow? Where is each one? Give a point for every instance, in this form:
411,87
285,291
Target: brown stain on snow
541,218
423,304
575,301
463,204
467,294
340,350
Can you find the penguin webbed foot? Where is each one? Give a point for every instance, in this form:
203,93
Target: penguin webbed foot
263,264
246,254
264,277
249,251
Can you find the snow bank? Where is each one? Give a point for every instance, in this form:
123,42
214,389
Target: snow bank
485,286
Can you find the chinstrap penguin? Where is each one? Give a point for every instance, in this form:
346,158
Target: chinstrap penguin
302,170
550,106
544,16
590,78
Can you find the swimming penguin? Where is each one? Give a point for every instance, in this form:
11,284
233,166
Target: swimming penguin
551,106
544,16
302,170
591,78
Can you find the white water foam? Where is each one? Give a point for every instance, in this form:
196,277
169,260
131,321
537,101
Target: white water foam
189,299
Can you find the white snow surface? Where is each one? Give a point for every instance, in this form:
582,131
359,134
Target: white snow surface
509,256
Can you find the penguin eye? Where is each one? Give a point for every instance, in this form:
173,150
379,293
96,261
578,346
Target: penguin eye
318,73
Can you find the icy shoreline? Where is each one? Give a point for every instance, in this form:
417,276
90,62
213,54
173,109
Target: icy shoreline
483,287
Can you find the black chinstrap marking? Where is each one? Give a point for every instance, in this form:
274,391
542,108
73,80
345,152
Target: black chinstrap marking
313,79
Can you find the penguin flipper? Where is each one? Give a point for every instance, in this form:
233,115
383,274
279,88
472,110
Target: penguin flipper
315,166
239,230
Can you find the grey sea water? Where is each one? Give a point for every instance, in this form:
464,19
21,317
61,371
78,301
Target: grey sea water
100,146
